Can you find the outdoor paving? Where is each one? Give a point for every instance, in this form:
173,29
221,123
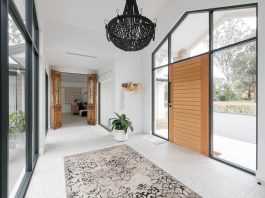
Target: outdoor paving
239,127
234,138
236,151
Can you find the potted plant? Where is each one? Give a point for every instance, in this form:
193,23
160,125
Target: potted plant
120,126
16,128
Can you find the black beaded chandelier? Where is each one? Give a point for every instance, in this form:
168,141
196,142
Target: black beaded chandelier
130,31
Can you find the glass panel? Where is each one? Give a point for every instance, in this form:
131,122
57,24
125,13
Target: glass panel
35,94
191,37
33,33
17,95
35,36
234,106
21,6
33,105
57,87
91,92
161,56
161,102
237,25
106,102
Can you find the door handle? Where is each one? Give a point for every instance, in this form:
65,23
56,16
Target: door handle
169,94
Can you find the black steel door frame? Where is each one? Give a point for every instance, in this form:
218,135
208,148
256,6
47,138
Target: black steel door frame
210,52
8,7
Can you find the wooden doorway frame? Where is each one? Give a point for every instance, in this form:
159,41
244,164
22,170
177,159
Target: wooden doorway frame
56,109
92,95
56,100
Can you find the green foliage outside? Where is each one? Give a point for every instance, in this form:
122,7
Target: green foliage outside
17,122
237,64
121,123
236,107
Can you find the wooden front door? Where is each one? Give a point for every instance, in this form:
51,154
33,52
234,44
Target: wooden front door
56,99
91,99
189,104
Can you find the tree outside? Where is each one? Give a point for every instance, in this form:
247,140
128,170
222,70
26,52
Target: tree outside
237,66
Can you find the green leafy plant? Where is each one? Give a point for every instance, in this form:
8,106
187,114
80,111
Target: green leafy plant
16,122
121,123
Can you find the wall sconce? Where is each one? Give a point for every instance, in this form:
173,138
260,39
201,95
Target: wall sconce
132,86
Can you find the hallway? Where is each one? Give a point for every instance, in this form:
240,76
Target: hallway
205,176
69,119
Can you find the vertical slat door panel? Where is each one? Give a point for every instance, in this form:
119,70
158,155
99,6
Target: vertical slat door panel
189,104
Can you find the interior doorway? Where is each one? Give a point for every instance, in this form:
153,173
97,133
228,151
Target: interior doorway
74,99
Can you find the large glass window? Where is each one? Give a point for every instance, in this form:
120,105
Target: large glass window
17,110
19,107
232,26
34,103
35,136
234,87
161,56
191,37
233,58
161,102
21,6
234,105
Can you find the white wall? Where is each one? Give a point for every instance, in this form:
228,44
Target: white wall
107,74
43,69
125,68
174,10
128,69
66,108
106,102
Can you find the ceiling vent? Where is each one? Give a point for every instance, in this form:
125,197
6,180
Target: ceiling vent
83,55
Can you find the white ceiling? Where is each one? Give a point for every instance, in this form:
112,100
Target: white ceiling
78,26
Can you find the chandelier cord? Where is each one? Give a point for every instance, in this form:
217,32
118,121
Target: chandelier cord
131,8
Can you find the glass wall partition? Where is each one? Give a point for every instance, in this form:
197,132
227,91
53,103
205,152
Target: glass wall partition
19,93
233,26
191,37
234,87
160,91
229,36
17,106
161,102
35,112
161,56
21,7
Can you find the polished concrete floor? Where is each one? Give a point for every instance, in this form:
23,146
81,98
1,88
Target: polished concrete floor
69,119
17,161
209,178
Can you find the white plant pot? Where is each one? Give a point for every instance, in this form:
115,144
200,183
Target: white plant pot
119,135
